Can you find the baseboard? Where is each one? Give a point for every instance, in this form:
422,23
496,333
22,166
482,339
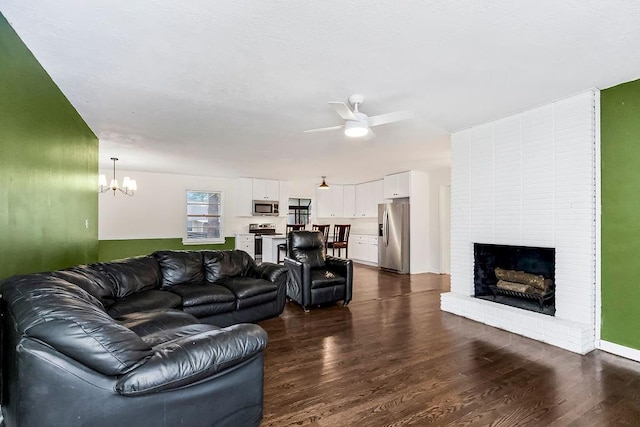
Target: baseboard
370,264
620,350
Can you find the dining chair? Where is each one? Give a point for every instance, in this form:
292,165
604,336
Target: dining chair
340,239
324,229
282,247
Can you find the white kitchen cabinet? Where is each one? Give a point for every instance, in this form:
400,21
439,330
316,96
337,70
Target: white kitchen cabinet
330,202
244,197
246,242
397,185
372,249
266,189
368,195
363,248
349,197
357,247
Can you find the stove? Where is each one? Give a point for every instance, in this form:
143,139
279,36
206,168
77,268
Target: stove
259,230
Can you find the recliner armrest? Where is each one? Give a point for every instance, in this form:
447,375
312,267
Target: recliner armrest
188,359
343,267
299,285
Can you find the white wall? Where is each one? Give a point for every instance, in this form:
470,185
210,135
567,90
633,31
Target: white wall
437,178
158,208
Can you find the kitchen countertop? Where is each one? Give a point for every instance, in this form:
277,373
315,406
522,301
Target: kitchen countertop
270,244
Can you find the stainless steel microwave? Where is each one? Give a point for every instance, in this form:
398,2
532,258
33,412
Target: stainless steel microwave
262,208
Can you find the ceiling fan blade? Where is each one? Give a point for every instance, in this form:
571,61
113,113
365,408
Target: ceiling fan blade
324,129
370,135
396,116
344,110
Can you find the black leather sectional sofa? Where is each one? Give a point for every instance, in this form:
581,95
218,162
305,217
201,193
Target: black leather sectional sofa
159,340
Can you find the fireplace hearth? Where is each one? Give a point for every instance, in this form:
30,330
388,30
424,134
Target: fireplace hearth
519,276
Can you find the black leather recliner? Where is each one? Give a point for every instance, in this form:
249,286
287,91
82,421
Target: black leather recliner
314,277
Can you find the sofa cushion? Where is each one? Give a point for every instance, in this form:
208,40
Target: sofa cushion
144,301
256,300
250,291
91,280
166,335
189,359
204,310
149,322
321,278
222,264
202,293
132,275
65,317
180,267
246,287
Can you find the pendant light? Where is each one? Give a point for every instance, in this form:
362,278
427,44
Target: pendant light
324,184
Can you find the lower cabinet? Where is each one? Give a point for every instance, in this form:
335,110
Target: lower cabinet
364,248
246,243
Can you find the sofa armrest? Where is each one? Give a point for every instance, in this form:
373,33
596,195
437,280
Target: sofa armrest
272,272
189,359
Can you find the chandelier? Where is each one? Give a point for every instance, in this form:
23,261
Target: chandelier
129,185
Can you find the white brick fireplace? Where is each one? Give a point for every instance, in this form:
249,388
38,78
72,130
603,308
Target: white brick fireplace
530,180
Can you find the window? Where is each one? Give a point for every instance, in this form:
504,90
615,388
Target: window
299,211
204,217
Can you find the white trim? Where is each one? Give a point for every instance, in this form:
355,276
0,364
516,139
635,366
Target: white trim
186,240
598,216
620,350
203,241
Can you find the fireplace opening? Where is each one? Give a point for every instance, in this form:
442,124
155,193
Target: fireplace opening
519,276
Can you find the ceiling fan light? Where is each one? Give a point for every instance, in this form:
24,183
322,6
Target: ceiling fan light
355,129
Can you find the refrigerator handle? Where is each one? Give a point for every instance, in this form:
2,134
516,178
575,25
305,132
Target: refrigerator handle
386,227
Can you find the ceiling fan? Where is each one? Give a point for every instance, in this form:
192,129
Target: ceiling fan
358,124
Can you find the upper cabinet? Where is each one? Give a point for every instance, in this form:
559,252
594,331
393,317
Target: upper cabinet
349,197
350,201
330,202
250,189
397,185
368,195
266,189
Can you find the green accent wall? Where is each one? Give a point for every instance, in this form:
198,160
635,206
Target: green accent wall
117,249
620,152
48,169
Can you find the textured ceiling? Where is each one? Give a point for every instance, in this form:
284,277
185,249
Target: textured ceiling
227,88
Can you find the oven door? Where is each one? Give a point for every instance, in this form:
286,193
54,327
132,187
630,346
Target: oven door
258,248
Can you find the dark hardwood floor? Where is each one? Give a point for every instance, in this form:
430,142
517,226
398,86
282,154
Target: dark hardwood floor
392,358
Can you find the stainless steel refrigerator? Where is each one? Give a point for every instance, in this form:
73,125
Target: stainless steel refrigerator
393,237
